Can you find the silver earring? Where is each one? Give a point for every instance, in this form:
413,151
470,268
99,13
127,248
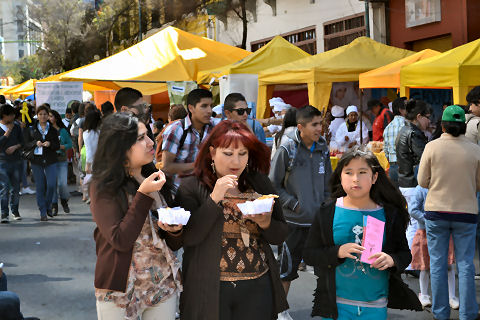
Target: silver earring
213,168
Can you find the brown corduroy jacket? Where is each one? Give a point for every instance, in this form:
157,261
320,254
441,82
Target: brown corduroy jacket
115,236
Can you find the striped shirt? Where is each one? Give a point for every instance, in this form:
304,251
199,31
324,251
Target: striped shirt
390,136
187,153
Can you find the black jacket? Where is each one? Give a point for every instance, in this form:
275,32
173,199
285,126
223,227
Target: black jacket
49,155
15,137
202,246
321,252
409,147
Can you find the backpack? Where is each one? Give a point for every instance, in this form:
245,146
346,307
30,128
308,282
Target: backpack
291,146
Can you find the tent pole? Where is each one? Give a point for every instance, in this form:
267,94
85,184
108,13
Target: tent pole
360,94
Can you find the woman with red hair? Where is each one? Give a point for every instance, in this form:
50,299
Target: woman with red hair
228,266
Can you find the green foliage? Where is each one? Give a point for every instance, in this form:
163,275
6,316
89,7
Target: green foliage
22,70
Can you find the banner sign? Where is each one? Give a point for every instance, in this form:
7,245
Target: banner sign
58,94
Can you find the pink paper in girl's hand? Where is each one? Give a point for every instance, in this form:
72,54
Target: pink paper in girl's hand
373,239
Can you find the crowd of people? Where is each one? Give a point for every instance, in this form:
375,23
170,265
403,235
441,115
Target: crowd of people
126,166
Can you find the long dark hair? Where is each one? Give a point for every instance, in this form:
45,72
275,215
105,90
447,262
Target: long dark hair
290,120
223,135
118,134
383,192
58,120
93,119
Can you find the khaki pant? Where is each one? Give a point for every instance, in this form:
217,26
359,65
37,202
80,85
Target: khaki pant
162,311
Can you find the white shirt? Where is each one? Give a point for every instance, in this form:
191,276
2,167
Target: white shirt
334,127
90,139
66,122
342,131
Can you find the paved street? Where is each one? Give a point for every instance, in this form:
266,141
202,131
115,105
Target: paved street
50,266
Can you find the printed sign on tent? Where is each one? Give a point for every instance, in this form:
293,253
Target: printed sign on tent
58,94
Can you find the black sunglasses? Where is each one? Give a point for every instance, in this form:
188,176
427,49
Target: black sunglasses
242,111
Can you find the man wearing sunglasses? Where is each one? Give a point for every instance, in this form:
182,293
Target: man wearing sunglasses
236,108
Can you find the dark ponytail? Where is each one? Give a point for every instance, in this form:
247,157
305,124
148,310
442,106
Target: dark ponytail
416,107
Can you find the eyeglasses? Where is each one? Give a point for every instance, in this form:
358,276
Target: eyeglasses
242,111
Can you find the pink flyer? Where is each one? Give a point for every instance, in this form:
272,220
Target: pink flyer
373,239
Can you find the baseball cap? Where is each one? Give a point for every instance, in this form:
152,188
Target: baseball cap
453,114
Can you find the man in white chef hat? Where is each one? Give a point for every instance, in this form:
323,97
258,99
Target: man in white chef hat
348,133
338,114
279,108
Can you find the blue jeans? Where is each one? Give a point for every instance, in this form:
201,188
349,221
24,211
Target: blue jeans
24,174
438,237
393,173
9,186
62,182
45,181
3,282
9,302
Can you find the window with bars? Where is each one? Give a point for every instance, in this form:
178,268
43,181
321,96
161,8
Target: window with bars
343,31
305,39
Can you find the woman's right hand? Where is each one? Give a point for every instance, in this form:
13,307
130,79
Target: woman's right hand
348,249
153,183
39,144
221,187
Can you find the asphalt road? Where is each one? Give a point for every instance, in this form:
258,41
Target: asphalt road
51,265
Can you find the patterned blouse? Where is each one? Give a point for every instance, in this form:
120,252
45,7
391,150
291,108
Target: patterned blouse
243,256
153,277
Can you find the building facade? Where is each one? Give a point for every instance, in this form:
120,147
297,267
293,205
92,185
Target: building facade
313,25
20,36
435,24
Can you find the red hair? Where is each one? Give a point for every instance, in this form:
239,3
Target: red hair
223,135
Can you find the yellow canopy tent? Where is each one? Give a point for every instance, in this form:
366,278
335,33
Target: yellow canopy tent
92,86
389,76
458,68
169,55
2,90
277,52
25,88
318,72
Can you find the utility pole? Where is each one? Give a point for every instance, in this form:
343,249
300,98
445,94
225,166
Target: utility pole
139,20
367,18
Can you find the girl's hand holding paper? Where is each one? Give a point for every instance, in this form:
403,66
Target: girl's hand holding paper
383,261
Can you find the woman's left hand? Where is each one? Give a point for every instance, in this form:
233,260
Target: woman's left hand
263,220
170,228
383,261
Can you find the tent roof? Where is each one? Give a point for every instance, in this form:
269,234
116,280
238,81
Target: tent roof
91,86
277,52
25,88
28,87
455,68
389,76
2,90
337,65
169,55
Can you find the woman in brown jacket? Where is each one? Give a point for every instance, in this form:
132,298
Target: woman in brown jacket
228,266
136,275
